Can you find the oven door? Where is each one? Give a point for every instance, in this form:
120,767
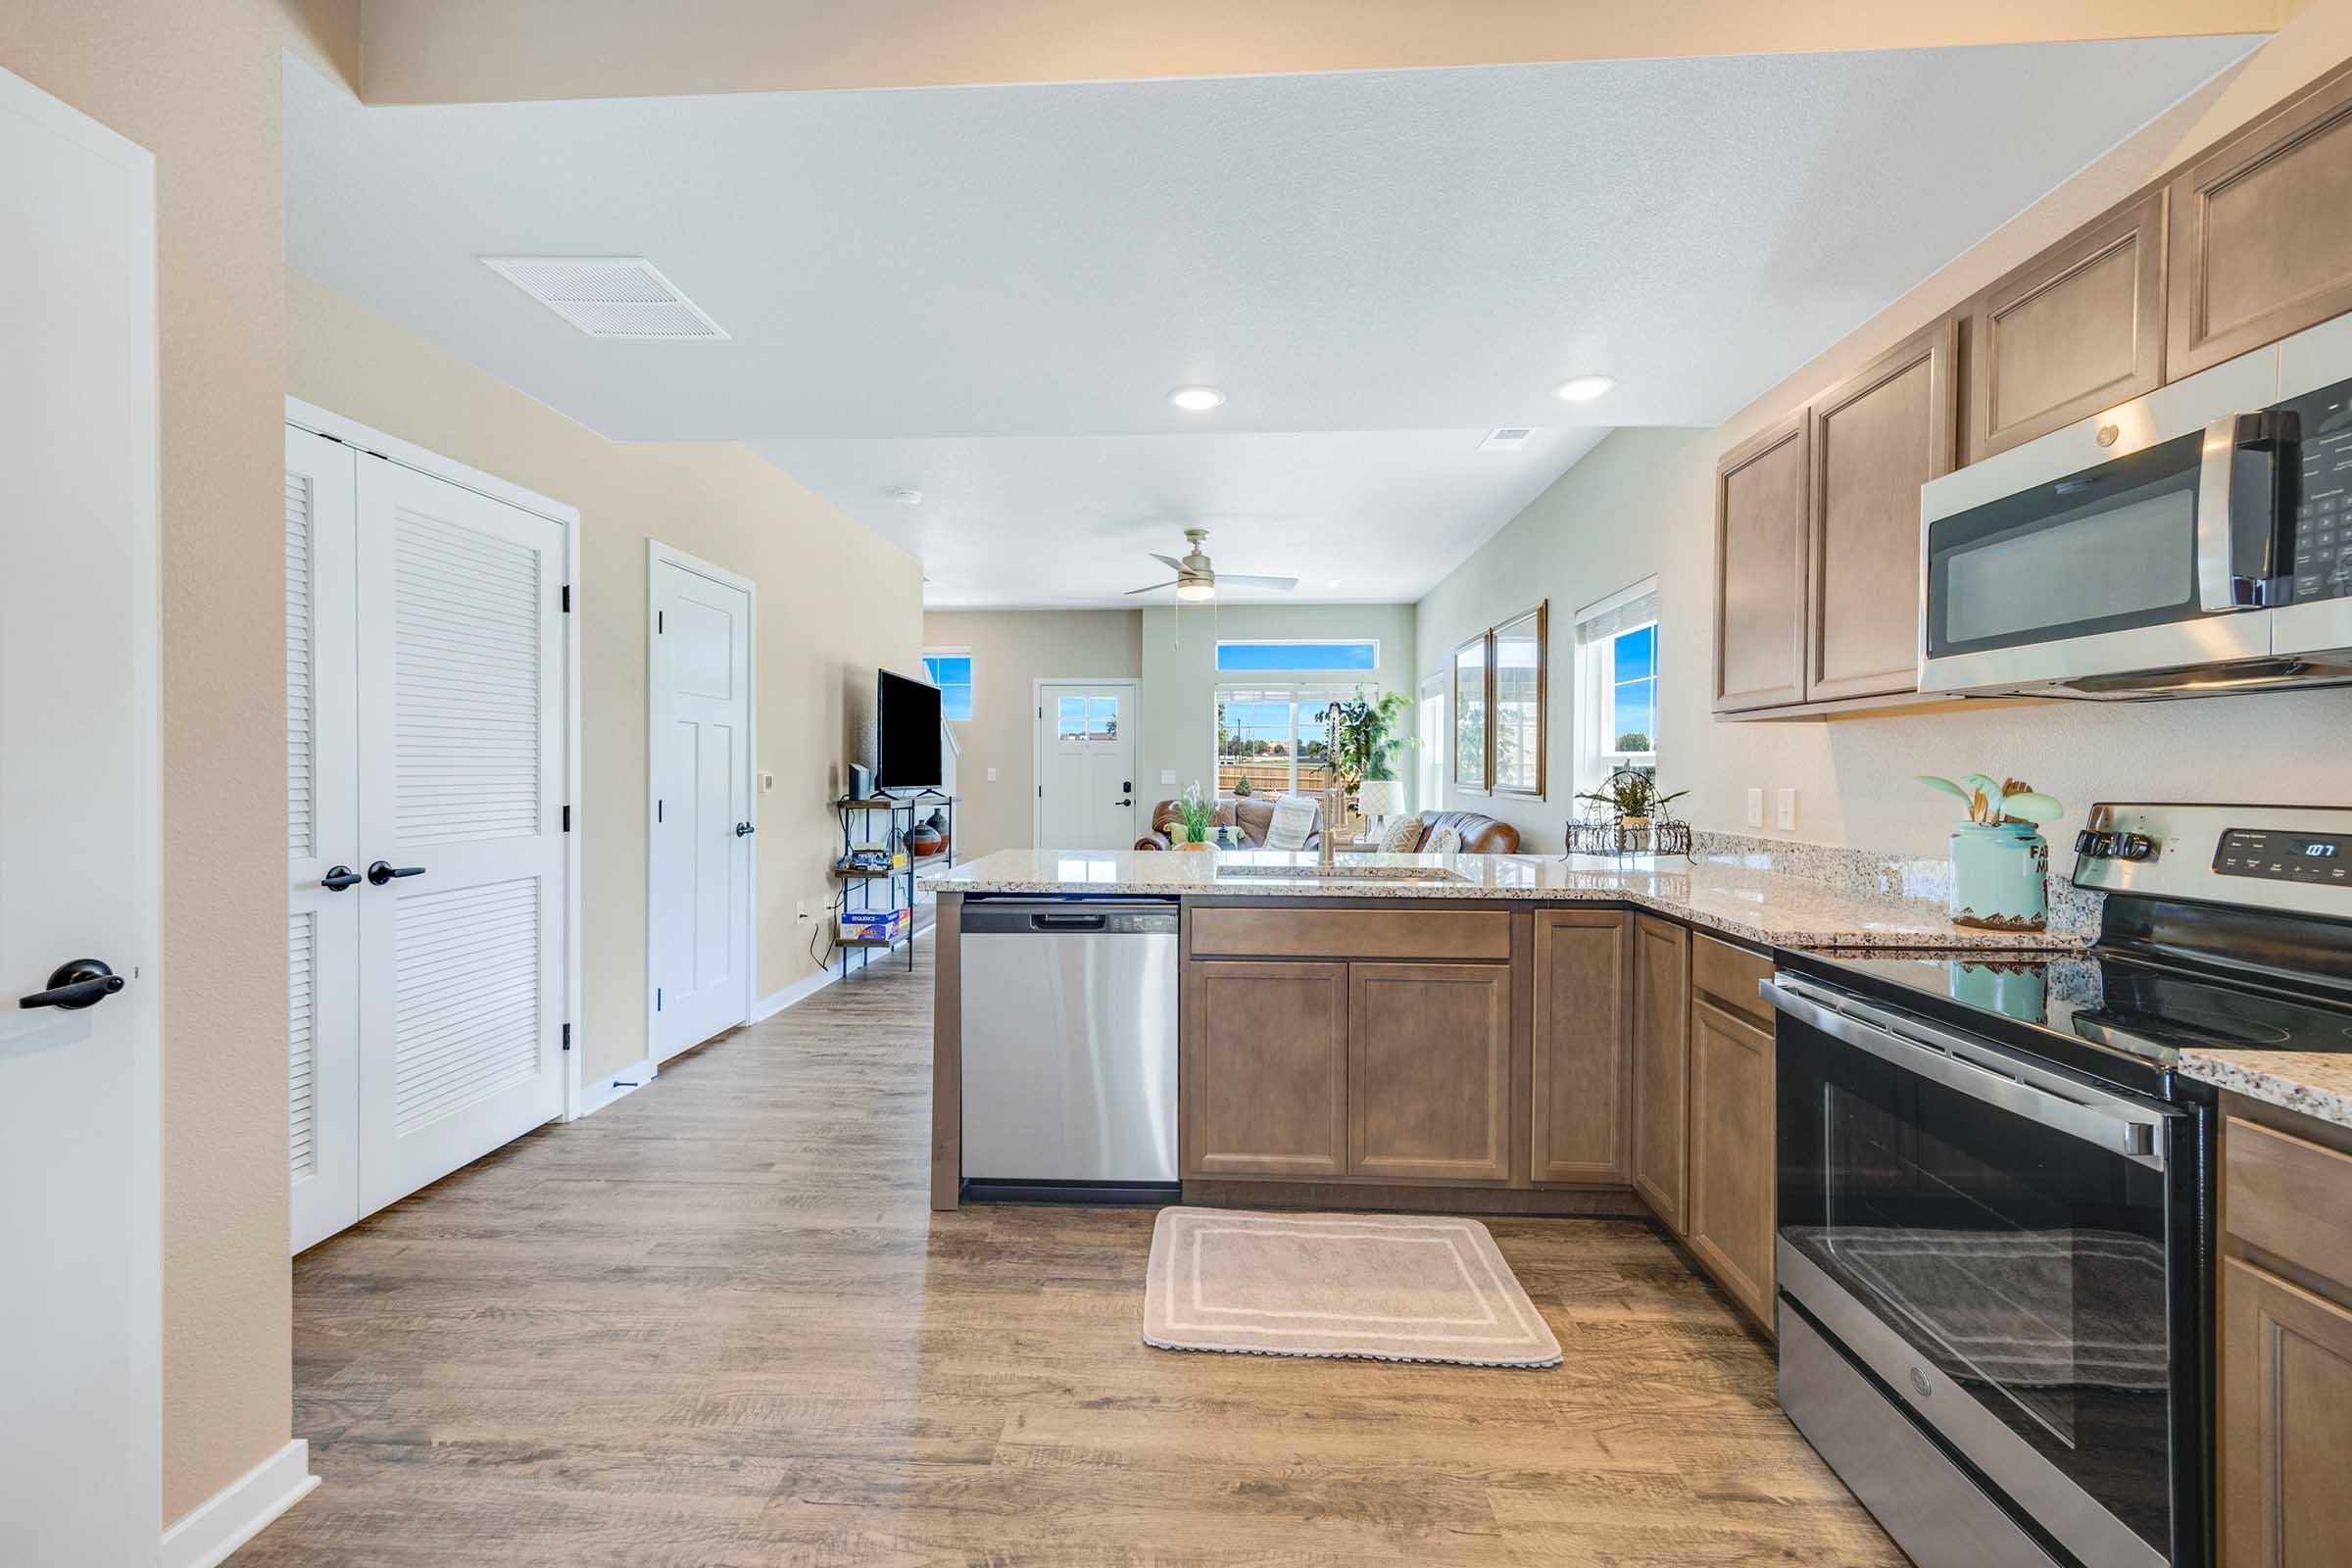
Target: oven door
2144,539
2003,1245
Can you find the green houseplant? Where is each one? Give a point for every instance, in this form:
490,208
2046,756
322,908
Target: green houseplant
2000,862
1366,728
1632,795
1194,809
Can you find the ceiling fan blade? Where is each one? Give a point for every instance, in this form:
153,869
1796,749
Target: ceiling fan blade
1169,561
1154,588
1235,579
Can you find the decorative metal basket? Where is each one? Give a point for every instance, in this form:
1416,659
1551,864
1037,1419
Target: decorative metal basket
1609,835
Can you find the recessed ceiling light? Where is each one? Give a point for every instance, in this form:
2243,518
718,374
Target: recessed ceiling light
1583,388
1197,399
906,496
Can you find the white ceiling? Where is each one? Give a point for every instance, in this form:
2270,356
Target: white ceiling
986,292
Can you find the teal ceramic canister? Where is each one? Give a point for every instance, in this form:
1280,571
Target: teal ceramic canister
1999,877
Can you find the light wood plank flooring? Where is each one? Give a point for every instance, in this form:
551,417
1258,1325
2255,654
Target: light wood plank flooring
718,1324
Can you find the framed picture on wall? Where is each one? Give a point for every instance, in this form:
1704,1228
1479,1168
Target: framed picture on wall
1516,662
1470,748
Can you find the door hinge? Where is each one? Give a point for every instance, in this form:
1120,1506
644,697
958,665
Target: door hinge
660,621
657,998
567,1037
656,810
1041,792
568,820
567,598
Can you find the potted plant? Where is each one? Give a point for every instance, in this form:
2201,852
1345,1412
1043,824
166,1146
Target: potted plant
1365,729
1632,796
1194,809
2000,862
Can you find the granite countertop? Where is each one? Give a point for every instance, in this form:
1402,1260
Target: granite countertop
2307,1080
1774,908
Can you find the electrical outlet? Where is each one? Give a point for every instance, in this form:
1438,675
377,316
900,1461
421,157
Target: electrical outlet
992,775
1756,808
1787,813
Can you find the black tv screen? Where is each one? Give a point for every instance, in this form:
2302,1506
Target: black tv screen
905,733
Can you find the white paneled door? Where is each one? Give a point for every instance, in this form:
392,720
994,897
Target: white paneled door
80,1134
425,818
699,871
1086,765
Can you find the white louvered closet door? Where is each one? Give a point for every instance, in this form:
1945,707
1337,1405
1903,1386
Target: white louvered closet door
460,745
322,836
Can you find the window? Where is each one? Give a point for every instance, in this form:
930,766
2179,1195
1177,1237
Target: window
1428,757
950,670
1617,684
1500,683
1277,740
1298,655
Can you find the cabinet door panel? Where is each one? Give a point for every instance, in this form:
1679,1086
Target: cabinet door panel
1266,1071
1583,1057
1875,441
1662,1065
1761,530
2260,244
2077,329
2286,1423
1429,1076
1732,1154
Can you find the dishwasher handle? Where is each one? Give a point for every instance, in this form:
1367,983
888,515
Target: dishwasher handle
1076,920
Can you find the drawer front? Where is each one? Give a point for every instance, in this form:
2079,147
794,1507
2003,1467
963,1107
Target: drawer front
1729,975
2289,1196
1294,933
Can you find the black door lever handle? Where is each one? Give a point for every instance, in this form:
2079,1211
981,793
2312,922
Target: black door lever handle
383,872
744,829
83,983
338,878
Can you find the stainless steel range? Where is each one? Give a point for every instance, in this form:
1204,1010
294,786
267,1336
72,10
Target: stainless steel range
1994,1224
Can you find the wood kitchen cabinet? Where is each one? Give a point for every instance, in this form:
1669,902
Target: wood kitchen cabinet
1583,1073
1874,440
1266,1069
2077,329
2261,246
1761,525
1429,1071
1662,1065
1731,1199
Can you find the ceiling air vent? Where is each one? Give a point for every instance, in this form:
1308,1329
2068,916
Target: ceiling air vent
608,296
1505,439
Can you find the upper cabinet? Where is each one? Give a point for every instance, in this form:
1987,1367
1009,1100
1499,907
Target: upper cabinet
2077,329
1760,529
1875,441
2261,240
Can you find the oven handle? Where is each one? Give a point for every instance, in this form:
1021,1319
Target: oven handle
2116,1126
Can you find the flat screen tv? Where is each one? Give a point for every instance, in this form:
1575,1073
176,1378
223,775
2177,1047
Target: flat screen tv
905,733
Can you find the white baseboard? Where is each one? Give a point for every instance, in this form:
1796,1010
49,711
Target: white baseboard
596,1095
206,1534
799,990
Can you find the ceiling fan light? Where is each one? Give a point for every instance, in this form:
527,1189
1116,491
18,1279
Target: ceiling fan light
1195,590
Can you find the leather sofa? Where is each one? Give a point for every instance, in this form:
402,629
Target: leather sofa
1481,835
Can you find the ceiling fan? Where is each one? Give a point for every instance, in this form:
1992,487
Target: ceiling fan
1196,579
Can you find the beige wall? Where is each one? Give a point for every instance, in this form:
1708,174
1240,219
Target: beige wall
1012,650
196,83
1641,503
834,603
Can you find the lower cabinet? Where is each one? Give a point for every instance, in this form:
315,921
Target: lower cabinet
1429,1071
1581,1128
1662,1065
1266,1069
1729,1213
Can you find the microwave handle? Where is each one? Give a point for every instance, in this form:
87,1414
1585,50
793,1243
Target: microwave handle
2221,586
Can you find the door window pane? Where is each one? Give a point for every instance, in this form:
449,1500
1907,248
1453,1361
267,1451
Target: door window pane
1069,719
1102,718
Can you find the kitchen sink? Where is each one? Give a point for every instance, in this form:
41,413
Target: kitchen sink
1342,871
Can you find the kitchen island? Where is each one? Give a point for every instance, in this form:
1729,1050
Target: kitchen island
1478,1034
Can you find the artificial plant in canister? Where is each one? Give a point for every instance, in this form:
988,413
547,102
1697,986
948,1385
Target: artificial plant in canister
2000,862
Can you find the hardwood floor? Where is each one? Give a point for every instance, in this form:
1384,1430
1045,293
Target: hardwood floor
718,1323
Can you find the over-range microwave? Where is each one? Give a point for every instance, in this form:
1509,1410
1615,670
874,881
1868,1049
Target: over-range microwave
2193,542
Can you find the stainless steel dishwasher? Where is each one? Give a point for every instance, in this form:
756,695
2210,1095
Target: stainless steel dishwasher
1069,1048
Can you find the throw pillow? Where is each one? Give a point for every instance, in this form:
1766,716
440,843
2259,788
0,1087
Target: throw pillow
1294,820
1444,841
1404,835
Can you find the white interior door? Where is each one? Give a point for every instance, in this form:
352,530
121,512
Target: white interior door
459,713
323,892
80,1417
698,907
1086,765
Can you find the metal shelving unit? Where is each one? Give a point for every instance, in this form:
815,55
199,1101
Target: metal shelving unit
901,814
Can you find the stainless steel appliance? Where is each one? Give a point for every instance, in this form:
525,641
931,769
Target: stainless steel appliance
1069,1048
2194,541
1995,1196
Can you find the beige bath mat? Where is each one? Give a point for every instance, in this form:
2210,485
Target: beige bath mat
1386,1287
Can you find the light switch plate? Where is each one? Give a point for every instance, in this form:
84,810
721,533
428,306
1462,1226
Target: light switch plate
1167,775
767,782
1756,808
1787,811
992,775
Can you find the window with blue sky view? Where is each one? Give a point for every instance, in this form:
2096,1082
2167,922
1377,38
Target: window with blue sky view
1331,656
1634,692
952,673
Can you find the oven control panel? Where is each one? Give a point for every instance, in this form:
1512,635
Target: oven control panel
2288,858
2320,858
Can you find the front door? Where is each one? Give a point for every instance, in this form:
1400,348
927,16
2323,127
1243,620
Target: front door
1086,765
701,868
81,1090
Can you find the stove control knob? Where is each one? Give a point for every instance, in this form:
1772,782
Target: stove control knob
2094,845
2134,846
